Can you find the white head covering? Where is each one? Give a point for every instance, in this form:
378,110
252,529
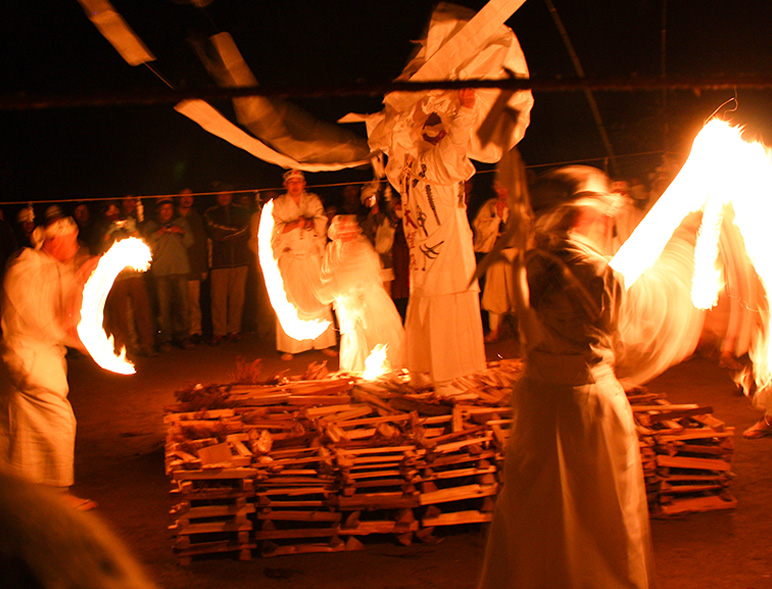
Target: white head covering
62,226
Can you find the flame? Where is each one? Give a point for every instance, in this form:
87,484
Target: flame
722,170
291,323
376,364
131,252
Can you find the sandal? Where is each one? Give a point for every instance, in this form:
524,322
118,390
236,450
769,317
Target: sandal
760,429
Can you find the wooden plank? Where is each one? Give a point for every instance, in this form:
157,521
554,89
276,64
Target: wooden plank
275,550
693,463
457,493
458,517
296,533
217,473
698,504
210,527
296,515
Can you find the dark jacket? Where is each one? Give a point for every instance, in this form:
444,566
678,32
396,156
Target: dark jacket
198,253
228,227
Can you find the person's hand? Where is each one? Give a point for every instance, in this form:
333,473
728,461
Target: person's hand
467,97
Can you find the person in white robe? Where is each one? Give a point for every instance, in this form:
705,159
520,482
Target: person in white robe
444,334
572,511
497,298
298,241
351,280
39,316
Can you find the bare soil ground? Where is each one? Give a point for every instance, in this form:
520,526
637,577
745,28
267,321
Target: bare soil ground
119,463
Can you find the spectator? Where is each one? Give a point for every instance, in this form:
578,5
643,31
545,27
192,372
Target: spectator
8,242
265,315
86,228
25,220
170,237
497,298
198,258
127,310
400,259
228,227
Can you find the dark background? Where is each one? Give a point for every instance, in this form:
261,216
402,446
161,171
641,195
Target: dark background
52,49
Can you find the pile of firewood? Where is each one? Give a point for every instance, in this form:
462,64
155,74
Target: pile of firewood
319,463
686,454
290,466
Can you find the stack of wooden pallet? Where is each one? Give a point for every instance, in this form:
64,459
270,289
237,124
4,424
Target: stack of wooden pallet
290,466
686,454
317,465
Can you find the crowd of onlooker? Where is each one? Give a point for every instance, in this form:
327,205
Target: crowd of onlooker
205,284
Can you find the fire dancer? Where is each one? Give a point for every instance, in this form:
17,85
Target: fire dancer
351,280
443,325
39,317
299,239
572,511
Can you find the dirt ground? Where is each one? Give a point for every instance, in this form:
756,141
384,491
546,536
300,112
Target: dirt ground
119,463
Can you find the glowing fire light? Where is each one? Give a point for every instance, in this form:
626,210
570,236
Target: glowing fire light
291,323
131,252
376,364
722,171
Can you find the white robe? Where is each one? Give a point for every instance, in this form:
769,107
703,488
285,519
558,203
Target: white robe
443,324
299,254
572,511
351,279
37,421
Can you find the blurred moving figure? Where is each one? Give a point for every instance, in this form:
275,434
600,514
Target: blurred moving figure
46,545
573,510
351,281
40,312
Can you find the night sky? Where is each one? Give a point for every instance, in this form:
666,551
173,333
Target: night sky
51,48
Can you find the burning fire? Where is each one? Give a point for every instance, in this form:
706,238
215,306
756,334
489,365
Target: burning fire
293,325
376,364
131,252
723,176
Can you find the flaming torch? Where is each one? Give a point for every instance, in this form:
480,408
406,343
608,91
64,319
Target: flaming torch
126,253
723,174
293,325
